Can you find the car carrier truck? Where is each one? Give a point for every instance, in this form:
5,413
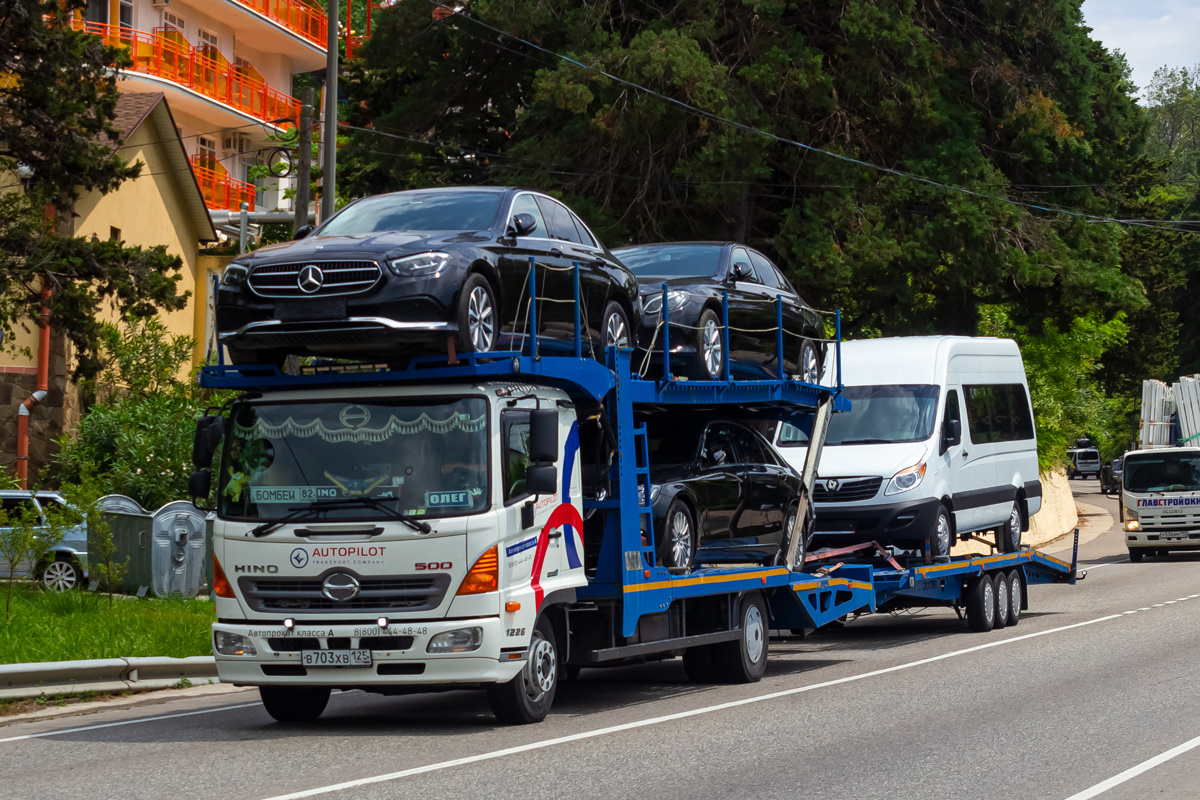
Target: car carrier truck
485,523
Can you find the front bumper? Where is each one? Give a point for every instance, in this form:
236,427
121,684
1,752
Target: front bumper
1163,539
412,666
842,525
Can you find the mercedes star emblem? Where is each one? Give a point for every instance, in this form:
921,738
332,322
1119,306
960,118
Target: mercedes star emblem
340,587
310,279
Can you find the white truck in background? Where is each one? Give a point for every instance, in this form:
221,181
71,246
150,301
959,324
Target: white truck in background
1160,501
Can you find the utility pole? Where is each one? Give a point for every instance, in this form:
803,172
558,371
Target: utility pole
329,168
304,167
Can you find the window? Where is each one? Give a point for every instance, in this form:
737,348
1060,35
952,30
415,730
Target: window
998,413
525,204
765,270
951,414
515,425
126,14
558,220
172,21
16,508
585,236
114,234
749,450
430,211
96,12
206,39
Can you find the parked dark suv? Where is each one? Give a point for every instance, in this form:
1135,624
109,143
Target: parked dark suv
417,271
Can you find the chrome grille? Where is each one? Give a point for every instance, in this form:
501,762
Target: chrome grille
375,596
849,490
340,278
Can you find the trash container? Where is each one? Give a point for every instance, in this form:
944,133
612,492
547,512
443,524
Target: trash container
131,542
178,566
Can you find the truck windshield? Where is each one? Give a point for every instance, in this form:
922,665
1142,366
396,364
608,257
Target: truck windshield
878,415
1162,472
426,458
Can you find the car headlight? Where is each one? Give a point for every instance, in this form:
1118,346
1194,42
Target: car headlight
906,479
235,275
463,640
422,264
675,301
232,644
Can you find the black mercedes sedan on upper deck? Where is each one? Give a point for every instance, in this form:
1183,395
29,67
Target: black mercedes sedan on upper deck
418,271
697,275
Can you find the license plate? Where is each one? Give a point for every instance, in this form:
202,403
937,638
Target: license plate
335,658
1174,511
1173,535
316,308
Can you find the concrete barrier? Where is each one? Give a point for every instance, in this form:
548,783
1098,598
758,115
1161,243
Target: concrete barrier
1058,516
102,675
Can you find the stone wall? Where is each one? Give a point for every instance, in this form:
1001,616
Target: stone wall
59,412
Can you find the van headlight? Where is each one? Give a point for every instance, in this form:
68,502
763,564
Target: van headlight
906,479
423,264
675,301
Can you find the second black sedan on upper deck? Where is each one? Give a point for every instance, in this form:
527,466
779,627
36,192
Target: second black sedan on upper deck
697,274
412,271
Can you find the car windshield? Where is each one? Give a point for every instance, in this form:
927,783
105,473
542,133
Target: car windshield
878,415
415,212
1162,472
672,261
425,458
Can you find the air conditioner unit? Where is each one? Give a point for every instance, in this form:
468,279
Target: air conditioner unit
245,145
160,3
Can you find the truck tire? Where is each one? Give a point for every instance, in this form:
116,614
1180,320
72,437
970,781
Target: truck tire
1003,597
698,664
528,696
1010,532
981,603
294,703
744,660
1015,595
1135,556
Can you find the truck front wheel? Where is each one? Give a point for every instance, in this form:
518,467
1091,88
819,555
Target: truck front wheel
528,696
744,660
294,703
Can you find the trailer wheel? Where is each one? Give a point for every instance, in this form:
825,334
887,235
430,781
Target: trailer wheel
528,696
698,664
1003,598
1015,582
981,604
294,703
1135,556
744,660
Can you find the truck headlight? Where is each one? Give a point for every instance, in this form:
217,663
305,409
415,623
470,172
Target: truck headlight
463,640
1131,521
232,644
235,275
675,301
422,264
906,479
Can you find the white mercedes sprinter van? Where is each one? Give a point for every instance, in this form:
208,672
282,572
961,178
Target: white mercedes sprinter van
939,443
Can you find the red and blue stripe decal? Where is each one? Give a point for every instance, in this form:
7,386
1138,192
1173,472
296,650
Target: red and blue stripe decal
564,516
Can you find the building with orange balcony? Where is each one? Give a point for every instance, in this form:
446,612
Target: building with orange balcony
225,67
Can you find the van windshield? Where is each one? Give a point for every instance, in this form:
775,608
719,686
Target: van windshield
1163,472
878,415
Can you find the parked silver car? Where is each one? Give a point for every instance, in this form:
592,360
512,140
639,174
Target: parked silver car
65,565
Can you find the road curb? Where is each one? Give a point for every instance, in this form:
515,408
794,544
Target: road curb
102,675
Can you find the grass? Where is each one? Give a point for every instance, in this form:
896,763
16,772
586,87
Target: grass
76,625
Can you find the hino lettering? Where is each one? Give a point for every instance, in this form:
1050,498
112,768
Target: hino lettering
264,569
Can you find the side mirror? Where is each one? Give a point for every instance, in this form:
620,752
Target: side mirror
303,231
208,435
543,435
951,434
741,271
719,456
199,487
541,479
523,224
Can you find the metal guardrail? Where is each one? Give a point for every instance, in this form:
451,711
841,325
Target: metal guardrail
102,675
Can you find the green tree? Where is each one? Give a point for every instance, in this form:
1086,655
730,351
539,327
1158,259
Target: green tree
57,102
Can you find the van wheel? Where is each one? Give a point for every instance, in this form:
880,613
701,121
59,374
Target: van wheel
981,603
528,696
744,660
1010,534
940,542
294,703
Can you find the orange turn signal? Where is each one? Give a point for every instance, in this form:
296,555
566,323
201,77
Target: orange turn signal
484,576
511,606
221,587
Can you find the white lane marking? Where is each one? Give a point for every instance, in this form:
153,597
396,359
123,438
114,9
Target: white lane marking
575,737
127,722
1105,564
1133,772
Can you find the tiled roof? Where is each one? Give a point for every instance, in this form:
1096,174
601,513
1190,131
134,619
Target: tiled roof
133,108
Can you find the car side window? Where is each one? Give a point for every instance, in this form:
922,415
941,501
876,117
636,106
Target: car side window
16,508
765,270
515,427
525,204
719,447
558,220
741,256
585,236
952,413
749,450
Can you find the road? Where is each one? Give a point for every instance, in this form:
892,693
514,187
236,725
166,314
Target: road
1094,694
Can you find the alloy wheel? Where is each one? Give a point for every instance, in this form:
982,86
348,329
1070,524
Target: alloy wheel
714,348
60,576
943,534
616,333
541,669
680,540
1014,528
480,320
810,367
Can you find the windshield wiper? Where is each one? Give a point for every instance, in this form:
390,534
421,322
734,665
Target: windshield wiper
318,506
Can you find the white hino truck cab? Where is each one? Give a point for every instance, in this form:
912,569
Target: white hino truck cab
1160,501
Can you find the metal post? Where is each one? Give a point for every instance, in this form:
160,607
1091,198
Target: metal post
304,168
666,333
329,168
779,337
725,332
837,322
578,313
533,320
243,227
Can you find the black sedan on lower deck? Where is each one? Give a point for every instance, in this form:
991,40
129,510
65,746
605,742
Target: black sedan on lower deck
418,271
697,276
720,493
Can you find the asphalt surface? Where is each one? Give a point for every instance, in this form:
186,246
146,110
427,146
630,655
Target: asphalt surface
1094,694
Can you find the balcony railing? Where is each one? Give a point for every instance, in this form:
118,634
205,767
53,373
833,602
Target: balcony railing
299,17
219,189
165,54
